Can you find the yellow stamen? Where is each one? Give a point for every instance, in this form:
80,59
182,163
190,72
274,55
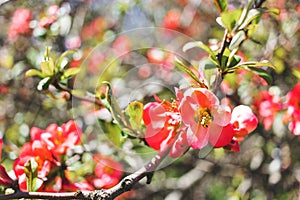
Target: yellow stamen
203,117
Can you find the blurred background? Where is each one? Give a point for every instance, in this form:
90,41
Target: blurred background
268,164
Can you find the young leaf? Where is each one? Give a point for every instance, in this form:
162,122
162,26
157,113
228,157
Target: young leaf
34,72
234,61
47,67
251,15
181,66
117,113
44,83
61,58
70,72
262,73
112,131
201,45
237,39
31,171
221,5
265,63
225,58
135,113
230,19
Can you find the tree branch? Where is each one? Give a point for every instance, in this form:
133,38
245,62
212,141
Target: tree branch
123,186
87,98
43,195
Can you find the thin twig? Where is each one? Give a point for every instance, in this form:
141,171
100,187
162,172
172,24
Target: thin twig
123,186
87,98
43,195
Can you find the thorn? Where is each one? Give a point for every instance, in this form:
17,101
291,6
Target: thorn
149,177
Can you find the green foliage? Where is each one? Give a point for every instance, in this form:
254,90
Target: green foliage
135,113
221,5
32,180
112,131
230,18
53,72
118,115
181,66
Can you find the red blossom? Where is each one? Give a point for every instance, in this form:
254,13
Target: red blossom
293,109
20,24
73,42
267,106
50,18
94,29
161,118
244,121
180,145
204,117
58,139
42,156
122,45
172,19
108,172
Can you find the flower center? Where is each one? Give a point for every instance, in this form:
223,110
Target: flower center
203,117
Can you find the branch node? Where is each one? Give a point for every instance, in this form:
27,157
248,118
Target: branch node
127,184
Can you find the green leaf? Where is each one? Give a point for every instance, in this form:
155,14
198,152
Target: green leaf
275,11
265,63
237,39
201,45
181,66
31,171
251,15
262,73
70,72
112,131
44,83
230,19
234,61
47,67
116,112
225,57
34,72
47,52
135,113
221,5
61,58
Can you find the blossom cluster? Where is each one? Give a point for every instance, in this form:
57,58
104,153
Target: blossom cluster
268,104
48,149
195,119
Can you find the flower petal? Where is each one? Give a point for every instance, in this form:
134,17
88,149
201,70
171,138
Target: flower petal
197,137
221,115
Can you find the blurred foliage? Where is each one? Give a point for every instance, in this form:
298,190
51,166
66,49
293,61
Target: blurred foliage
83,24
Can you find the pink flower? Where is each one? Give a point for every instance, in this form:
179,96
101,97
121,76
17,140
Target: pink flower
267,106
58,139
172,20
293,109
20,24
180,145
294,126
73,42
42,156
161,119
243,121
50,18
204,117
108,172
